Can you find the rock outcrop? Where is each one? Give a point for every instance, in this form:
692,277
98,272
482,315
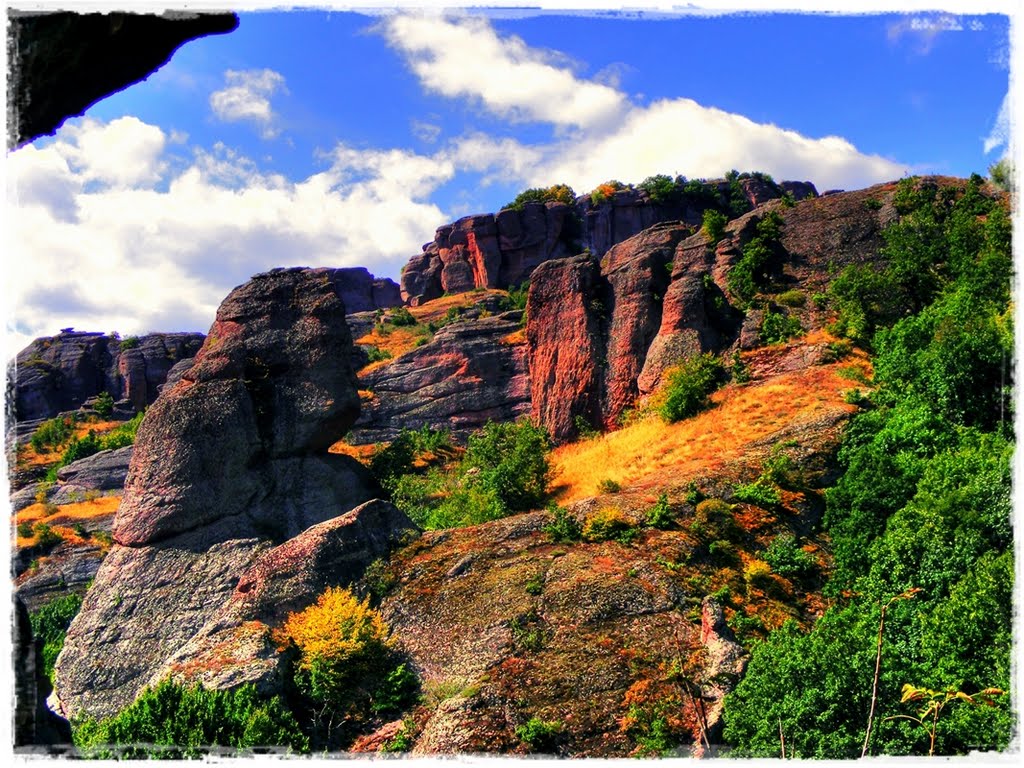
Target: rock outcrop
603,332
471,372
63,62
229,463
60,373
34,724
502,250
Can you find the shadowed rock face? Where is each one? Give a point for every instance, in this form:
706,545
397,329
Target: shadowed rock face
229,463
61,63
60,373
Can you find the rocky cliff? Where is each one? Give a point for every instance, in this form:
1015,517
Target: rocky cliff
502,250
229,465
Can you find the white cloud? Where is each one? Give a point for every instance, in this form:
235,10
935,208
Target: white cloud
160,259
999,136
924,31
466,58
247,98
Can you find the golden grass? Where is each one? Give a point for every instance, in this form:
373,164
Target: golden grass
404,338
704,443
359,452
63,519
27,455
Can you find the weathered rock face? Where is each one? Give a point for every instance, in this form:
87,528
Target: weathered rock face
566,335
229,463
503,249
362,292
469,374
60,373
34,724
489,251
600,335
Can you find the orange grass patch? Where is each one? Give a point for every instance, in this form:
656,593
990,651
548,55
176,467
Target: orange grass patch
69,513
359,452
27,455
739,416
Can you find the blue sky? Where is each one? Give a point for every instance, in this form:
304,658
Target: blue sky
335,138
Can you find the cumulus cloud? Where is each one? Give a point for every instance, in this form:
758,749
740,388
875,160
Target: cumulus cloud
160,258
602,134
465,57
246,97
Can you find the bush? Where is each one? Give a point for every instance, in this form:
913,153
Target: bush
400,316
608,486
714,519
713,225
603,192
375,354
53,433
689,386
121,436
777,327
660,515
346,665
25,530
786,558
559,193
792,298
762,493
50,624
46,537
174,721
563,526
661,189
104,404
723,552
609,523
752,272
511,460
539,735
757,573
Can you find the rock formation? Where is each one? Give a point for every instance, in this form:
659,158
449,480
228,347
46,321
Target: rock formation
60,373
502,250
470,373
229,463
62,63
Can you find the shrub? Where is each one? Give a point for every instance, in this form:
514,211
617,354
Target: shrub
104,405
535,584
714,519
723,552
609,523
129,342
375,354
660,515
786,558
50,624
345,663
603,192
661,189
740,371
511,460
400,316
713,225
53,433
608,486
563,526
873,204
751,273
778,327
46,537
762,493
559,193
175,721
757,573
792,298
539,735
25,529
121,436
689,386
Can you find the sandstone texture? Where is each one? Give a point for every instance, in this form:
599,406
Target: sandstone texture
229,463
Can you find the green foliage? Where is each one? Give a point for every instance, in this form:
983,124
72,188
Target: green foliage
80,448
563,526
121,436
713,225
53,433
762,493
609,524
535,584
661,189
375,354
46,537
761,256
660,515
174,721
104,404
403,740
739,371
584,429
1001,174
608,486
689,386
539,735
786,557
778,327
516,298
400,316
505,469
129,342
25,529
792,298
559,193
397,691
50,624
603,192
873,204
713,519
528,632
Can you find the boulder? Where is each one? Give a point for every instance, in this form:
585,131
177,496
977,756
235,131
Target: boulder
103,471
229,463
